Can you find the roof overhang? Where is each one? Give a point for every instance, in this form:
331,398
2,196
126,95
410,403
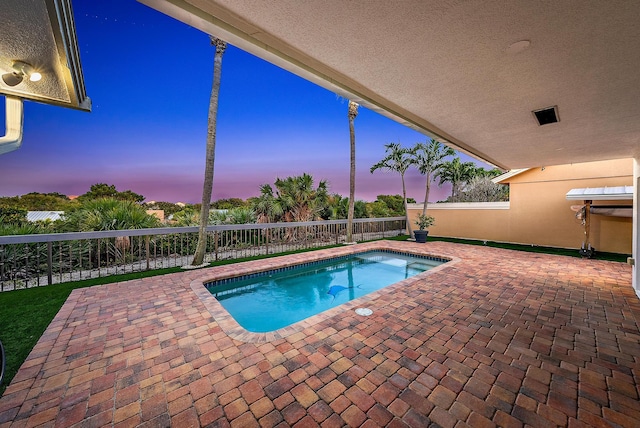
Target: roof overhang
615,193
459,71
42,34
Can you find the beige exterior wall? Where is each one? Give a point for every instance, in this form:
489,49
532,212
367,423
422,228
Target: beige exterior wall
538,212
157,213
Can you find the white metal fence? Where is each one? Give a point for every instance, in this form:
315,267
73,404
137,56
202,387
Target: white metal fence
44,259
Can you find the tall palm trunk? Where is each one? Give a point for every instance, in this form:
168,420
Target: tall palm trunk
455,191
426,195
406,208
207,188
353,112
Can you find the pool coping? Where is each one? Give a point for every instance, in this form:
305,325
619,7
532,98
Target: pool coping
231,327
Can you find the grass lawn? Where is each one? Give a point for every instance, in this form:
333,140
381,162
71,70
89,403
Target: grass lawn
613,257
25,314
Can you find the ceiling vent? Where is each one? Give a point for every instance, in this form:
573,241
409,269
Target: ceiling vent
547,115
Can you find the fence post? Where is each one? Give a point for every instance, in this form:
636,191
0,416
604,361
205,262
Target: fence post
2,268
298,236
99,261
146,249
49,263
215,243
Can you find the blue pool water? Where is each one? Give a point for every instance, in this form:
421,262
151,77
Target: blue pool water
271,300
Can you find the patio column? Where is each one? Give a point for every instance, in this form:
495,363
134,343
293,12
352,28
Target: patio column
636,226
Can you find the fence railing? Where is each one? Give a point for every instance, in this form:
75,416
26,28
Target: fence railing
44,259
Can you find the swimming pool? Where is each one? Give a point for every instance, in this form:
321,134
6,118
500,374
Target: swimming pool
267,301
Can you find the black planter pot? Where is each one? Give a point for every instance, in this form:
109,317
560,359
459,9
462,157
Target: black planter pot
421,235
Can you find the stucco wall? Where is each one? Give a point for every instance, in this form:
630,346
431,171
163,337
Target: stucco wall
538,212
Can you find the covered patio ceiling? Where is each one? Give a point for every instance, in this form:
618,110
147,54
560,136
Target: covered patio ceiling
455,70
42,34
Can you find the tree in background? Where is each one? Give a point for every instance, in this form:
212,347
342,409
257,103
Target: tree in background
35,201
457,173
429,157
207,187
45,201
103,190
378,209
338,208
294,199
489,173
394,204
482,189
229,203
188,216
352,114
471,183
398,159
14,216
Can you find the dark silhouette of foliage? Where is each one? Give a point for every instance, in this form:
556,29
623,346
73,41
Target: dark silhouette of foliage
35,201
102,190
229,203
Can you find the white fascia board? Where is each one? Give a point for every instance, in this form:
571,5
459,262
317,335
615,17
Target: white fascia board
499,179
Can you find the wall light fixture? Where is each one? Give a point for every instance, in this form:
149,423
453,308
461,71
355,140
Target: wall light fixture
20,70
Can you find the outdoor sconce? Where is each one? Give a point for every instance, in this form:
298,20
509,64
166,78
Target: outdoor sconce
20,70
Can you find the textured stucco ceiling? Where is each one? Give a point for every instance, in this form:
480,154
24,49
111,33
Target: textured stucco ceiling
42,34
443,67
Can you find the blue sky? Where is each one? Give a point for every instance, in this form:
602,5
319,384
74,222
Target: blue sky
149,77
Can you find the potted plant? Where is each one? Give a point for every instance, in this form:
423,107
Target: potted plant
423,222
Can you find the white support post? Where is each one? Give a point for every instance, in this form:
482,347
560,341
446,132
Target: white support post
635,266
12,140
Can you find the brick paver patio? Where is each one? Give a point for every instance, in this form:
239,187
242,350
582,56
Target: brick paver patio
497,338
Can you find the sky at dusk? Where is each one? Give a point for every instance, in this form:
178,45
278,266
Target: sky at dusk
149,78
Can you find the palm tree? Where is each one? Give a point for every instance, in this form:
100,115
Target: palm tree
109,214
299,200
237,215
457,173
339,207
428,158
295,199
353,112
488,173
188,216
266,207
398,159
207,188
